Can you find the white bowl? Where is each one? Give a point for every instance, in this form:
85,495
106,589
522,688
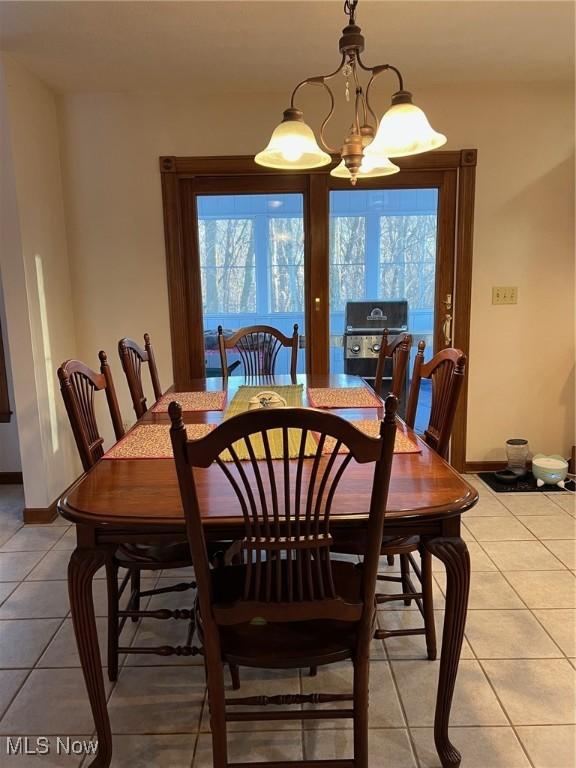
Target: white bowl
549,470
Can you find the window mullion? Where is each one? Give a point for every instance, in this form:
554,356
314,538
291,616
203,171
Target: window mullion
372,255
261,247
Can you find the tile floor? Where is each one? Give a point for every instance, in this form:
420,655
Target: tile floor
515,701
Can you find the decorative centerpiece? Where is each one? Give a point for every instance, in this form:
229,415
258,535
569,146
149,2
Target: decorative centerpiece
266,400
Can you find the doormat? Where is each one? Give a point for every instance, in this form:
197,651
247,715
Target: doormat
525,485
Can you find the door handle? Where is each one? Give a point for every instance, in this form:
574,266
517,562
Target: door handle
447,329
447,325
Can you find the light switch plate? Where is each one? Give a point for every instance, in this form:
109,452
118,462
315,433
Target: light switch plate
506,294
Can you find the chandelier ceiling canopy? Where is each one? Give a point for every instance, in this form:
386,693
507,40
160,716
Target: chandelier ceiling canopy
403,130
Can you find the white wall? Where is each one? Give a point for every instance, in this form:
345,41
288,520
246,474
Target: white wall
36,283
521,357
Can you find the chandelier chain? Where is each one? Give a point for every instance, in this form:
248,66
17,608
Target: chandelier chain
350,9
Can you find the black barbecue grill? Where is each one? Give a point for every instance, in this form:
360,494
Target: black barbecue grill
364,323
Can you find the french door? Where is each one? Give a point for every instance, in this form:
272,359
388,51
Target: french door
247,246
251,251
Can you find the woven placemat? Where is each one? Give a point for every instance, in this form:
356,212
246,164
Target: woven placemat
402,443
152,441
342,397
191,401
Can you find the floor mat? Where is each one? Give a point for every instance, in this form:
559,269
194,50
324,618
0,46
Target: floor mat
525,485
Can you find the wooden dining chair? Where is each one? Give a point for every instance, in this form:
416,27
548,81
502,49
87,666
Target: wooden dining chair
446,372
132,356
79,384
398,351
287,603
258,347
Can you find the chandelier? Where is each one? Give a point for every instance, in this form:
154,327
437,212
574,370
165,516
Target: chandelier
403,130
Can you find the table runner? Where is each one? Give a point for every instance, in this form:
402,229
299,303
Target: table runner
191,401
343,397
292,393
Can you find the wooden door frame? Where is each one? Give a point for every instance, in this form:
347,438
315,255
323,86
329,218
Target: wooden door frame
5,412
183,177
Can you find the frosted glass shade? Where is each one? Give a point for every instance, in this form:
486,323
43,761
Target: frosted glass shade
370,168
292,147
404,130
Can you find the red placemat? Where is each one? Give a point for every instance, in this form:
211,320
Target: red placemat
402,442
342,397
191,401
152,441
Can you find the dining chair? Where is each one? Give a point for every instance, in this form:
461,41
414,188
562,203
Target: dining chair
288,603
258,347
132,356
398,351
446,373
78,384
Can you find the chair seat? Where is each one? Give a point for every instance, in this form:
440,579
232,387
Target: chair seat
391,545
399,545
153,556
285,645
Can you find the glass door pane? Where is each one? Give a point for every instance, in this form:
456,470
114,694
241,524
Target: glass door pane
252,268
383,247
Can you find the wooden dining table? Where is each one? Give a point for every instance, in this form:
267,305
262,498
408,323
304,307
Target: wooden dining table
136,501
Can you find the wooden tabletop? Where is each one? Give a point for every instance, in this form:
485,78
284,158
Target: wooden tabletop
144,492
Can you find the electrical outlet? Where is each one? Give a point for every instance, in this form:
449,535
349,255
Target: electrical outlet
505,294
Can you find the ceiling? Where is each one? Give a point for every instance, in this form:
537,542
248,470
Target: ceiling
267,45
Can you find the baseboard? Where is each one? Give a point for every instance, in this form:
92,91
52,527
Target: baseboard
41,515
484,466
11,478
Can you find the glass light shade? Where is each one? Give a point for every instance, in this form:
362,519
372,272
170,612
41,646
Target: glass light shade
404,130
370,168
292,146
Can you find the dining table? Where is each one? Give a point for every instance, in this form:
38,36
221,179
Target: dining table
125,500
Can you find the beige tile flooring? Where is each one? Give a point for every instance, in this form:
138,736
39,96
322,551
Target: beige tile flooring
515,697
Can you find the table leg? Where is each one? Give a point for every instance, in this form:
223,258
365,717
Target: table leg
453,553
83,565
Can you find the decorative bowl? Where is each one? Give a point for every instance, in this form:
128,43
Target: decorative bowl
549,470
266,400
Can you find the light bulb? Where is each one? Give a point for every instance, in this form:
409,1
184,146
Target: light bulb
291,152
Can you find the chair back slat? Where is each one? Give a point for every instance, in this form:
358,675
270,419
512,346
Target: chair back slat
286,507
258,347
132,356
396,349
78,383
446,374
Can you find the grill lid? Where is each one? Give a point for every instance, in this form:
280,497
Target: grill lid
369,316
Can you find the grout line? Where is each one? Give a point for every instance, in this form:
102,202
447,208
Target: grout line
199,728
501,703
407,726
